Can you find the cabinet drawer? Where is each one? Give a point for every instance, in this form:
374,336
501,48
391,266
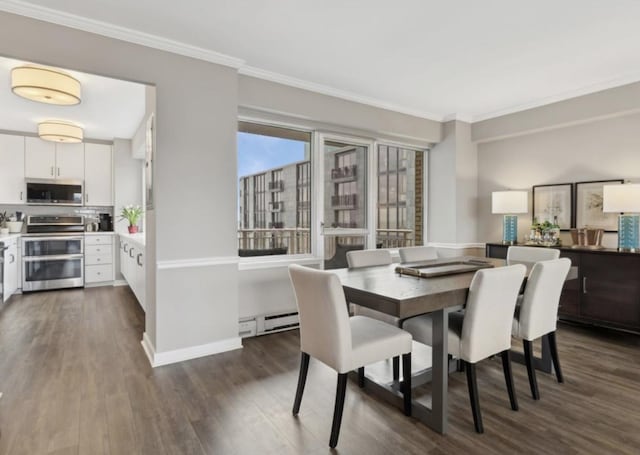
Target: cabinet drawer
98,259
98,239
97,249
98,273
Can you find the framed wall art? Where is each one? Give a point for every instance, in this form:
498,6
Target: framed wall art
554,202
589,206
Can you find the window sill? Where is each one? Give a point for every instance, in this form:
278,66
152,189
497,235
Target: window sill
271,262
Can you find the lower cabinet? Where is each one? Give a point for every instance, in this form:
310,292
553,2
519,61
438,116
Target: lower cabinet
607,291
98,258
11,267
132,267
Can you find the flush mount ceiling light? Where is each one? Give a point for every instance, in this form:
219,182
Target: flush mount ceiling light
59,131
45,85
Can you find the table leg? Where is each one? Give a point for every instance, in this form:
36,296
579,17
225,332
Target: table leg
440,365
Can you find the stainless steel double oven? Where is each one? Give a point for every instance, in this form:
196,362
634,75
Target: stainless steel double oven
53,253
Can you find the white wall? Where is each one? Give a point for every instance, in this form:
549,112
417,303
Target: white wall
596,150
453,186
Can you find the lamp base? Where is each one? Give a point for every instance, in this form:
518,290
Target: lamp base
629,233
510,230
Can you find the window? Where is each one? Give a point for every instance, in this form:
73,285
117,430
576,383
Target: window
274,204
400,202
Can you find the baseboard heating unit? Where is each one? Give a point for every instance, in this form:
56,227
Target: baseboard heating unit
269,323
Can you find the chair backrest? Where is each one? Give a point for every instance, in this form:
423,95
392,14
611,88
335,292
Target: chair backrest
531,254
488,317
325,332
418,253
368,258
539,308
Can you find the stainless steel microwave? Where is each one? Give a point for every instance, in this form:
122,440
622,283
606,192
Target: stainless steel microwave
56,192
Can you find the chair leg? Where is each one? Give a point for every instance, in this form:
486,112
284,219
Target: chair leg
473,396
361,377
406,382
396,368
553,347
341,390
302,379
528,358
508,377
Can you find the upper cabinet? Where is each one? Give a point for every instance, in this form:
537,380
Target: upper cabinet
48,160
98,180
11,169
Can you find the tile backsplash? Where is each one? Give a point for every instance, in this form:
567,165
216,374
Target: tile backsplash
90,213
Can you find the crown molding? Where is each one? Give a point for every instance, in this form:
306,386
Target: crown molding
117,32
564,96
330,91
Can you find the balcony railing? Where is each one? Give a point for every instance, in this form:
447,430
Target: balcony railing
277,185
394,238
281,240
278,240
344,200
345,173
276,225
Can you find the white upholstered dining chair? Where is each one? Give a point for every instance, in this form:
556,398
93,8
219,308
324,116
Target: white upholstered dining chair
483,330
343,343
531,254
537,314
370,258
418,253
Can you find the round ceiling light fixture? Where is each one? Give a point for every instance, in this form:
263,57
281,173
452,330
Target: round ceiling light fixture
60,131
45,85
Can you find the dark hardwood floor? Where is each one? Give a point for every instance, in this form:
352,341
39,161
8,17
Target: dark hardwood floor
76,381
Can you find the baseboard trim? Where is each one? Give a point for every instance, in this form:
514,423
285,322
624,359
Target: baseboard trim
120,282
157,359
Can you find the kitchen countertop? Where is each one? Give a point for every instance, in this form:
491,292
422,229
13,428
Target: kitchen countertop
100,233
138,237
4,238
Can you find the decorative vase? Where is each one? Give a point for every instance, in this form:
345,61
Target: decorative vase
133,229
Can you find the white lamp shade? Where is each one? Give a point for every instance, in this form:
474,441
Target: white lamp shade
45,85
621,198
59,131
508,202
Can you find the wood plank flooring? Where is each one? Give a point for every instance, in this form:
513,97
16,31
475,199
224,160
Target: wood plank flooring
76,381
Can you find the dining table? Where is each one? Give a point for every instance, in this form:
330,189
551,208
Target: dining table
403,296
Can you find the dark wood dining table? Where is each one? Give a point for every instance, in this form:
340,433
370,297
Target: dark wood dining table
382,289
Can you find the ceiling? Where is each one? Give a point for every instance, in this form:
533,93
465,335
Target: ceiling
463,59
109,108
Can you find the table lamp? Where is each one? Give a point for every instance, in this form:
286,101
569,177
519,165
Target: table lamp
624,199
508,203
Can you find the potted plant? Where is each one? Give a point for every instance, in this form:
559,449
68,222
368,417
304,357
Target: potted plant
131,214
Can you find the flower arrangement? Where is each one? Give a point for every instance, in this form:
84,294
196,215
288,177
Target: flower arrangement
131,213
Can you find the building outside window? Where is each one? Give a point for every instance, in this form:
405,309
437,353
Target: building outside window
274,205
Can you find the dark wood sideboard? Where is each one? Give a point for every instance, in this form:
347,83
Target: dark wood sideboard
607,291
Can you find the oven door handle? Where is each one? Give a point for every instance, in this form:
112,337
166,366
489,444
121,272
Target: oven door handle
52,257
45,238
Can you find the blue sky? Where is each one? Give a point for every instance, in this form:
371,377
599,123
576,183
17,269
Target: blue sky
257,153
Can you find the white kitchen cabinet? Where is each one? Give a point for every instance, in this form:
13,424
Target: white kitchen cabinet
39,158
132,267
98,258
98,177
12,169
48,160
70,161
10,268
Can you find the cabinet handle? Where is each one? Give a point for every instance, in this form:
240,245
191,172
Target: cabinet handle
51,171
58,172
584,284
20,195
86,197
138,259
131,253
13,259
125,248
